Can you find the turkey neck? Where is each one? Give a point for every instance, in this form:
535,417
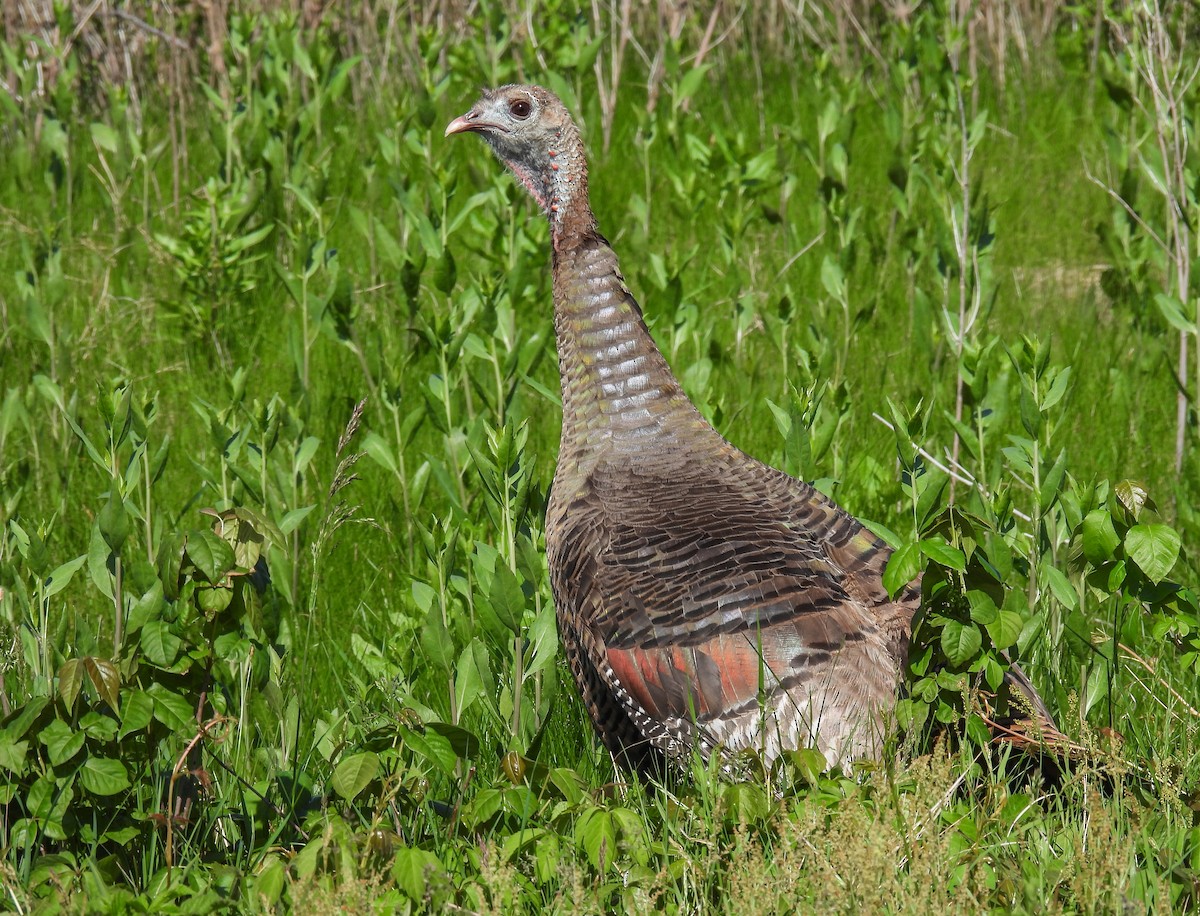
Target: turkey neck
618,392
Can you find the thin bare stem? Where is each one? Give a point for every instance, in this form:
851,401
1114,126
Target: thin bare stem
962,242
952,469
1168,72
1134,657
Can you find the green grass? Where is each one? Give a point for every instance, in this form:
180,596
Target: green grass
369,692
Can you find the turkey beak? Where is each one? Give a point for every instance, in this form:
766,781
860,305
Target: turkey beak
461,124
472,120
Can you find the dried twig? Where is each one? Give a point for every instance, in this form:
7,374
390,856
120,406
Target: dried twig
149,29
953,470
181,765
1116,195
799,254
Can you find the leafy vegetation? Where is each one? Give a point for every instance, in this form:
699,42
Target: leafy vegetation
278,422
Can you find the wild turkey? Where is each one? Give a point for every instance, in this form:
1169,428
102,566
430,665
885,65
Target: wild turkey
704,599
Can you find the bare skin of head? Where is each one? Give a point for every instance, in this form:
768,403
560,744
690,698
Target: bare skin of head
532,133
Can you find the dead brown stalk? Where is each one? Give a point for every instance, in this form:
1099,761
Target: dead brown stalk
182,766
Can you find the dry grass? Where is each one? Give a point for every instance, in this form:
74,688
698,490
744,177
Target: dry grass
144,44
846,859
904,847
322,896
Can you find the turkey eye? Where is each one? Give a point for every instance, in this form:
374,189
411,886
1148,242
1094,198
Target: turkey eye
520,108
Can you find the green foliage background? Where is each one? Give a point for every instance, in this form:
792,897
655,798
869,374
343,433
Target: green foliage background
257,281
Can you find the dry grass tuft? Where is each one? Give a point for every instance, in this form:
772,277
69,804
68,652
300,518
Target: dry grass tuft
320,895
143,43
845,859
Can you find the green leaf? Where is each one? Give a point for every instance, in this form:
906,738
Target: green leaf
960,642
436,644
114,521
70,682
170,563
104,137
993,674
1154,548
832,278
942,553
52,392
412,870
61,577
291,521
122,836
689,85
12,753
244,535
62,742
354,774
1133,496
434,748
40,798
1057,388
1052,480
783,419
983,606
214,600
1099,537
104,776
1031,416
1097,688
445,272
1116,576
741,802
464,743
261,528
97,561
999,553
250,239
977,731
472,677
386,241
882,532
597,834
809,762
28,544
1060,586
172,710
269,881
160,644
305,863
98,725
1175,312
379,451
212,555
1005,629
977,129
902,568
305,452
137,712
911,714
506,598
38,320
26,716
481,809
543,637
159,461
147,608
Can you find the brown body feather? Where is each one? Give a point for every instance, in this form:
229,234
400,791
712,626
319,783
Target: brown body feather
705,600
